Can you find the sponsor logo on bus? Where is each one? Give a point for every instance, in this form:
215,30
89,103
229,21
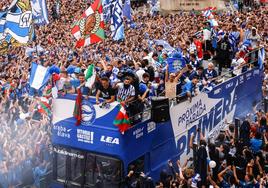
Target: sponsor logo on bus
67,153
109,140
62,131
85,136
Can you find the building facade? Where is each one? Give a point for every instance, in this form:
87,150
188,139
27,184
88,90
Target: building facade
173,5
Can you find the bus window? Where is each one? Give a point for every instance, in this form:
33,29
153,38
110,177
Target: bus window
69,166
103,171
61,167
76,171
76,168
90,169
137,166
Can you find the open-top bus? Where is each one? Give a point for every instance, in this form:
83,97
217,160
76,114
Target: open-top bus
96,151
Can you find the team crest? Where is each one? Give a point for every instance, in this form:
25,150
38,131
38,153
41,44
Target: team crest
88,113
90,25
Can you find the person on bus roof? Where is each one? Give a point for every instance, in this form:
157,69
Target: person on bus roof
106,91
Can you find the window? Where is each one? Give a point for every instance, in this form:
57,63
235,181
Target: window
61,167
137,166
80,169
101,170
77,166
69,165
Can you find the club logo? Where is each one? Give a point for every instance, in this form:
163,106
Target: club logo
88,113
91,24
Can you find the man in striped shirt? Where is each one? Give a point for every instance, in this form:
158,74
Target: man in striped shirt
126,91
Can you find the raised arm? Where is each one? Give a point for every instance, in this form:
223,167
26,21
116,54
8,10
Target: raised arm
213,183
235,175
221,174
166,74
180,169
191,141
259,165
97,97
181,72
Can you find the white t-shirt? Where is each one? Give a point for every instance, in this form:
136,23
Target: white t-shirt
236,63
139,73
206,34
60,83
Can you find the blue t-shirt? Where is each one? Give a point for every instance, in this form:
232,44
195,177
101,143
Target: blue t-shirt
210,74
85,90
75,83
225,184
244,184
255,144
142,88
187,87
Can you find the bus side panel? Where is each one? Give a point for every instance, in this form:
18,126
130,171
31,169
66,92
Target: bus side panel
210,111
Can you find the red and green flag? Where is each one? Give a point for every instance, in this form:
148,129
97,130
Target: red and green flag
89,29
78,108
90,76
44,106
122,120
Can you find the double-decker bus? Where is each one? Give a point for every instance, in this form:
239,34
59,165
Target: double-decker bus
96,151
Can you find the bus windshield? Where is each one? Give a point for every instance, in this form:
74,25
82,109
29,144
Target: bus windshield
76,168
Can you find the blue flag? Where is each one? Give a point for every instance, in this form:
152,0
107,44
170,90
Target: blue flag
39,11
39,76
261,57
153,2
2,22
165,44
106,6
175,64
127,10
117,24
18,22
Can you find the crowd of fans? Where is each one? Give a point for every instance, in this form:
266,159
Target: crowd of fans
237,158
133,71
25,137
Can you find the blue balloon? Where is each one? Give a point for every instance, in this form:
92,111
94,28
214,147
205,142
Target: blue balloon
54,69
71,69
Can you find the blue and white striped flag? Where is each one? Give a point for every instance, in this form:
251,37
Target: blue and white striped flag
207,13
165,44
153,2
39,10
39,76
19,23
117,24
261,57
106,4
2,24
127,10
